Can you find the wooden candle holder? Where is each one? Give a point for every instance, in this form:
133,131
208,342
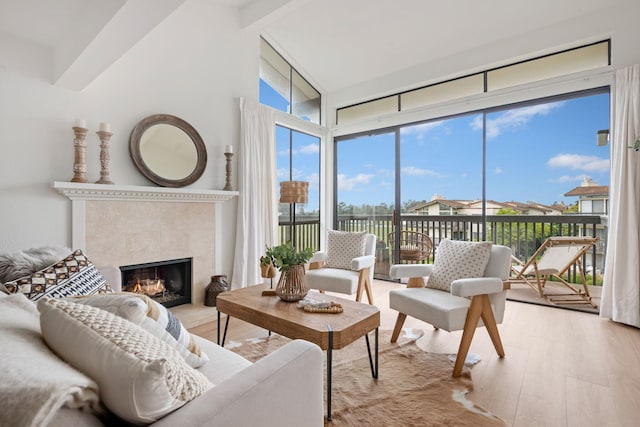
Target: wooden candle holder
79,155
104,157
228,186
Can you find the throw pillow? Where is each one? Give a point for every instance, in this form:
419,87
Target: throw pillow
74,275
152,317
343,246
140,378
23,263
458,260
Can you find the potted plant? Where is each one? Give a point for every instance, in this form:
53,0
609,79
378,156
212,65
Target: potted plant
292,285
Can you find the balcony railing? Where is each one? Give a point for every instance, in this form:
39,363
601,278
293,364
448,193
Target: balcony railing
522,233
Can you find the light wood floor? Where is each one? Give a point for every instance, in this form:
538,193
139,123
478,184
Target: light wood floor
562,368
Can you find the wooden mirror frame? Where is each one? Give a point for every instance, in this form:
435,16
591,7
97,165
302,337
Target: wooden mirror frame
136,155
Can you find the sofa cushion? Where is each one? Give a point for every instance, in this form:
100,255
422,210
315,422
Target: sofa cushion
74,275
343,246
227,363
152,317
455,260
140,378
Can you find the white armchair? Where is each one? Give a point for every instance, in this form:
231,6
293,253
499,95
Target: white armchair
347,265
469,299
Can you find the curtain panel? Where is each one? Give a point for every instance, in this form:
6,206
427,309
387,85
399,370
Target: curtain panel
621,288
257,220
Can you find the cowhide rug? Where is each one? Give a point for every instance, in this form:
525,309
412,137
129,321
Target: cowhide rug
414,387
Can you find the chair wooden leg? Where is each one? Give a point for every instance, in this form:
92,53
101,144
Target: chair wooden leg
470,323
359,291
367,288
489,321
396,329
363,283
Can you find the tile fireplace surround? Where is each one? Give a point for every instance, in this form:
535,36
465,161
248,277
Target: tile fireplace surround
121,225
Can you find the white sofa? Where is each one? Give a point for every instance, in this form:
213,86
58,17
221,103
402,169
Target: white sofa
285,388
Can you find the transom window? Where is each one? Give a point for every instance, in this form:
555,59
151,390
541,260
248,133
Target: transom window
284,89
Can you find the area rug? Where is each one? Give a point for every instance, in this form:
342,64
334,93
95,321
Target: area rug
414,387
521,292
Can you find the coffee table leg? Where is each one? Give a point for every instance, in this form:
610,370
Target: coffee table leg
374,369
329,361
226,325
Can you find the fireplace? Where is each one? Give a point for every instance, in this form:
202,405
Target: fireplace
167,282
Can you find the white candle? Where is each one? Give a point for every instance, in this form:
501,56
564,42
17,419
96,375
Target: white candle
105,127
228,148
81,123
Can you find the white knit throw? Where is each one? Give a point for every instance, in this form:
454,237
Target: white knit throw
35,382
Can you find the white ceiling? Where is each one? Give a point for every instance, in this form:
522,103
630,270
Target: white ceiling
336,43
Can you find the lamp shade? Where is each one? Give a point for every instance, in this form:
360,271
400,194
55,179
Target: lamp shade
294,192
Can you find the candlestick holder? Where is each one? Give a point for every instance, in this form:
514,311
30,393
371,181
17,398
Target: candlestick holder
79,155
104,157
228,186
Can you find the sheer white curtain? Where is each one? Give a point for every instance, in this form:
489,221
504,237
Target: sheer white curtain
621,292
257,223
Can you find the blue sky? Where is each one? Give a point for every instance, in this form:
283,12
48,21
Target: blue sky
534,153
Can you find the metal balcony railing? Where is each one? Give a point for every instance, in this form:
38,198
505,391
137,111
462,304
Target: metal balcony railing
522,233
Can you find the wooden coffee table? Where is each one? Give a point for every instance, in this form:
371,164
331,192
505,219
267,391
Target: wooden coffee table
328,331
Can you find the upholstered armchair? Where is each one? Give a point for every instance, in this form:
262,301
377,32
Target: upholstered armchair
346,266
466,284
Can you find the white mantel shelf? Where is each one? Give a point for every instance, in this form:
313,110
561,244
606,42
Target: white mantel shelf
82,191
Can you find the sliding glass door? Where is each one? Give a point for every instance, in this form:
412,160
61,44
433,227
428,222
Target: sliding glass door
493,175
365,188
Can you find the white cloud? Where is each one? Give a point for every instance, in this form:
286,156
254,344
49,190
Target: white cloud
283,174
307,149
566,179
310,149
513,119
420,130
346,183
414,171
579,162
498,171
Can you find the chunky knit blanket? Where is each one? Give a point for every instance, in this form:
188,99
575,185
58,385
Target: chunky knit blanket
34,381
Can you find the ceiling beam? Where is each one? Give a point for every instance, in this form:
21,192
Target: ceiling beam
259,13
87,53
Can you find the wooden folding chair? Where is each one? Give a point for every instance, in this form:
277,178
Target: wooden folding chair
553,259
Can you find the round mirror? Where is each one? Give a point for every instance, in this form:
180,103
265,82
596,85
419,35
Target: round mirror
168,151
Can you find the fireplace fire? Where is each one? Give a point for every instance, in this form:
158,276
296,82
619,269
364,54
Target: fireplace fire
167,282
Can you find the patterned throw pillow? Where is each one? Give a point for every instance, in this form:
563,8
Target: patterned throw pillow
74,275
140,378
343,246
152,317
458,260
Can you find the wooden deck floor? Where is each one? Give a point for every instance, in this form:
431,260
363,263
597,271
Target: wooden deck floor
562,368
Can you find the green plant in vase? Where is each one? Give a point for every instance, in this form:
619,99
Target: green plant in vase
285,255
292,285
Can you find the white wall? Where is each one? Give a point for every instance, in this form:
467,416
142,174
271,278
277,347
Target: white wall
195,65
619,23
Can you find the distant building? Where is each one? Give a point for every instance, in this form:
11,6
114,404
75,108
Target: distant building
593,199
438,205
